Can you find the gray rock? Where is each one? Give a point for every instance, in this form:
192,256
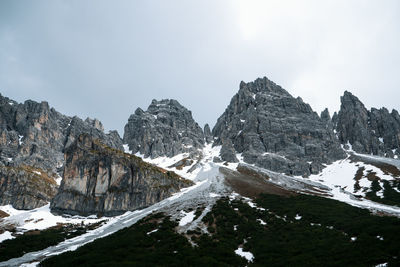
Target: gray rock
101,180
34,135
228,152
165,129
368,131
207,133
26,187
274,130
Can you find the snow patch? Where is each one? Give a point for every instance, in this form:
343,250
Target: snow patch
297,217
261,222
5,236
40,218
31,264
149,233
188,218
126,149
247,255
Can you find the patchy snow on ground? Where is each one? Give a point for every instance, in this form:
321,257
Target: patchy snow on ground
340,177
32,264
214,195
261,222
149,233
340,173
187,218
247,255
40,218
298,217
5,236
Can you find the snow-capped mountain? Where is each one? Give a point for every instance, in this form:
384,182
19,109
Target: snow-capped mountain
266,144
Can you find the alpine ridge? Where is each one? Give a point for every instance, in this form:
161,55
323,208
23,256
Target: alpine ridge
165,129
270,128
374,131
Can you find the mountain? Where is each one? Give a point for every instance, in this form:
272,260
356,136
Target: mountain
374,131
272,184
165,129
274,130
98,179
33,137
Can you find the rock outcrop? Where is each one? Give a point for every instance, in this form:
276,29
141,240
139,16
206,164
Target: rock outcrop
25,187
276,131
33,134
373,131
101,180
165,129
207,133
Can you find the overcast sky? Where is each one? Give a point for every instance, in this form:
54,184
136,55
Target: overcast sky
103,59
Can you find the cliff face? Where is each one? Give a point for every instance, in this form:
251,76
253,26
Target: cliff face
274,130
25,187
34,135
101,180
368,131
165,129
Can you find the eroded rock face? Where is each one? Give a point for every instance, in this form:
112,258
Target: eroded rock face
33,134
165,129
25,187
101,180
368,131
274,130
207,134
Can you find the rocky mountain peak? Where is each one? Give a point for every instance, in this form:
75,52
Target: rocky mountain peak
373,131
166,128
325,115
95,123
263,86
274,130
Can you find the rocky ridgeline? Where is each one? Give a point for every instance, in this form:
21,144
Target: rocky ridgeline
101,180
34,135
165,129
263,123
276,131
373,131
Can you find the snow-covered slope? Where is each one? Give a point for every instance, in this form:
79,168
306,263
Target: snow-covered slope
337,179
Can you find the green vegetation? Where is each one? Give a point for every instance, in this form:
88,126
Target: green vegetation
37,240
390,195
322,237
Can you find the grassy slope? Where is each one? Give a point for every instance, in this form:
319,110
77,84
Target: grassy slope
281,242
